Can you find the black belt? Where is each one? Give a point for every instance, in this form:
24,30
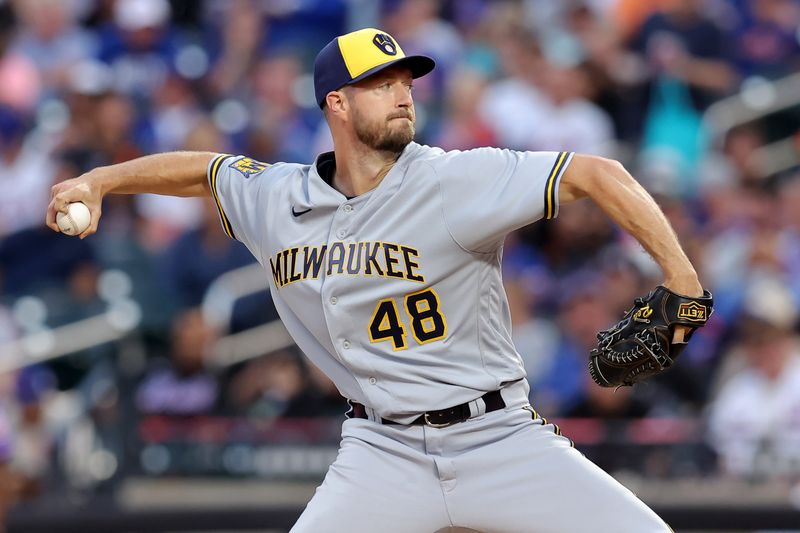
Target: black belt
441,418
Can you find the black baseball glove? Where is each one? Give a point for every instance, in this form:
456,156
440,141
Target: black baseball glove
640,345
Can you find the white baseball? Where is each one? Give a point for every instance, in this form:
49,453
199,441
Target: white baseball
76,220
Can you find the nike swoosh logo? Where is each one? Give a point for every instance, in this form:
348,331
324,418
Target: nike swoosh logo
298,213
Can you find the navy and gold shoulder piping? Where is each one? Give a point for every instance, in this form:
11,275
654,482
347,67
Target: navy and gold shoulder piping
213,171
551,185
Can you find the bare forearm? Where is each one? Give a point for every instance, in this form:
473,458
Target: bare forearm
172,173
612,188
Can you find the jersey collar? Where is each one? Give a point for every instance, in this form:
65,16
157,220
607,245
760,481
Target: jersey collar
321,192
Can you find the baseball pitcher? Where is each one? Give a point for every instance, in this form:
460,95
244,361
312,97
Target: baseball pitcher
383,258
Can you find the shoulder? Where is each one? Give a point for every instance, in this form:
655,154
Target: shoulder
440,159
473,161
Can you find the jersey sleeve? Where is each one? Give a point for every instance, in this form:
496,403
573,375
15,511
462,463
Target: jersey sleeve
489,192
236,184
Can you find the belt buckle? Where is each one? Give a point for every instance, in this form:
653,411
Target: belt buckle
428,422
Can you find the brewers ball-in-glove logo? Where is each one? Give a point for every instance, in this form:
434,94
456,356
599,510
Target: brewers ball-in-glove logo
385,43
640,346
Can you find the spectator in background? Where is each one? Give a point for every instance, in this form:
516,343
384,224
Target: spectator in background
266,386
50,39
200,256
613,404
462,126
577,236
138,46
570,118
583,312
34,440
754,420
88,83
687,56
174,115
417,24
182,385
9,480
765,38
242,31
751,245
102,121
20,82
281,129
789,238
614,409
280,384
26,173
681,41
543,103
34,259
526,279
318,398
614,70
514,107
629,15
740,148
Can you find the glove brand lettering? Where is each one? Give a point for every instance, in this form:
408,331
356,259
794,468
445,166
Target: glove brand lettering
367,258
643,314
692,311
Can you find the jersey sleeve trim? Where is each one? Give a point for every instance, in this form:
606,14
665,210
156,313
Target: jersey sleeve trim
551,185
213,171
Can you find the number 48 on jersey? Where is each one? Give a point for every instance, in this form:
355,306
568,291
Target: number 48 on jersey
427,322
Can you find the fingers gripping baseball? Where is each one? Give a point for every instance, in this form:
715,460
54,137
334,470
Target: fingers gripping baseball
79,189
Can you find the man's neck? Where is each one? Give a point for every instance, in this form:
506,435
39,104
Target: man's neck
360,169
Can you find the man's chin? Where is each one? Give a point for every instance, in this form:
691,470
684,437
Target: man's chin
394,146
395,139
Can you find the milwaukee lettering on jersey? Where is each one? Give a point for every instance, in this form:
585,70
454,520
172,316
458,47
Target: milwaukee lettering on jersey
369,258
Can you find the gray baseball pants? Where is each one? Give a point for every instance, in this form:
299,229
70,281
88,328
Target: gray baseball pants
500,472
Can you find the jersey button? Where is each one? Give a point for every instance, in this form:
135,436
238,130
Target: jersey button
346,344
341,233
348,208
334,299
372,381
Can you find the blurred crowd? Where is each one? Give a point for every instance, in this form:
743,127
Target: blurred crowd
93,82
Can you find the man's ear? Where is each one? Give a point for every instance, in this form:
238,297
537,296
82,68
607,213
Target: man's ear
336,102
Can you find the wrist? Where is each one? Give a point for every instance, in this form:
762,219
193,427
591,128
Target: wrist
686,284
102,180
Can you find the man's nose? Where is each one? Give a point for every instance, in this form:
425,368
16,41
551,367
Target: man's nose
403,96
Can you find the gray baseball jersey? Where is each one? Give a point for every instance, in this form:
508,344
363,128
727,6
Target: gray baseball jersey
395,294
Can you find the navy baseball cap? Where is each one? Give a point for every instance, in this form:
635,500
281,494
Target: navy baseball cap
352,57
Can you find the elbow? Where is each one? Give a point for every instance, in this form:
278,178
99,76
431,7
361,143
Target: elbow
589,175
608,169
